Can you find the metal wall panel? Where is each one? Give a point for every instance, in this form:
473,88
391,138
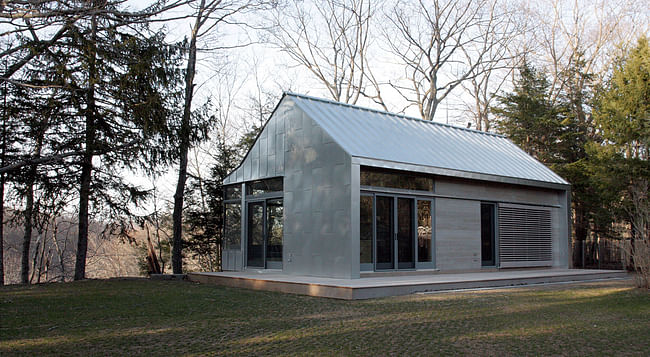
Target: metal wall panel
457,234
318,220
266,158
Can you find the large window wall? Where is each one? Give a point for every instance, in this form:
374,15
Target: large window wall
396,220
264,222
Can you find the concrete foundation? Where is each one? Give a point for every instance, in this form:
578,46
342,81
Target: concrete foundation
382,286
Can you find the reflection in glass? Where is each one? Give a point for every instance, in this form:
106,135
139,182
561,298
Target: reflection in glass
405,249
264,186
384,221
274,231
255,246
395,179
365,236
424,231
232,226
232,192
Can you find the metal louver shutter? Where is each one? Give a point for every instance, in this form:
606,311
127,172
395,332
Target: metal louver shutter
525,237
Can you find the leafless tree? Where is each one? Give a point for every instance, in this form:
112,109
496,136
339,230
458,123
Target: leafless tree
502,56
331,39
207,16
639,213
443,44
567,31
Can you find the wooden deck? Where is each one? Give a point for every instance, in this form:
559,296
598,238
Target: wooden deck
381,286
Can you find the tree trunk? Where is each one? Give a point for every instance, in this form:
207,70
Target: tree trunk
177,216
29,206
27,237
2,232
581,231
87,162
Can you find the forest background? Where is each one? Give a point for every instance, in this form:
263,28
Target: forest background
119,119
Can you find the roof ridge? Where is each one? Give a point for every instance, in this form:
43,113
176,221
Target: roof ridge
353,106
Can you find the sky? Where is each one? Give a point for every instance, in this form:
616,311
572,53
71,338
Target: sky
238,73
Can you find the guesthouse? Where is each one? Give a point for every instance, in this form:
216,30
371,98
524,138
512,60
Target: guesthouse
334,190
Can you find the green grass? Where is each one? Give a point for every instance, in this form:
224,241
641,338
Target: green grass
141,317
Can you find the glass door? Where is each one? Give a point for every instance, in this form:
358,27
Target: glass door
488,234
394,232
265,232
274,228
255,244
405,233
385,228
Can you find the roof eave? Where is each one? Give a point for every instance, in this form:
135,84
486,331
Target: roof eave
460,174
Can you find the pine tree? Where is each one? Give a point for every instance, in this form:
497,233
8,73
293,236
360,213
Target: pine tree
527,116
121,84
624,108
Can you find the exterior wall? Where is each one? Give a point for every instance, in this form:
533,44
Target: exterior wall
457,234
317,203
266,157
458,221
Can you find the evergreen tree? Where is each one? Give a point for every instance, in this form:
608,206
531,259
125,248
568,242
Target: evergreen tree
121,86
624,108
562,136
205,217
623,117
527,116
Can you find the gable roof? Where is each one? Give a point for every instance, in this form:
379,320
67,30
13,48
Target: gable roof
377,135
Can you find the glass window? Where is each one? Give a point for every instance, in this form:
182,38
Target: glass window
264,186
232,226
366,229
487,234
233,192
395,179
424,231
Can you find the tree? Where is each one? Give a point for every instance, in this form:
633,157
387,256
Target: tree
442,45
527,116
562,32
331,39
623,116
208,15
624,107
121,84
9,138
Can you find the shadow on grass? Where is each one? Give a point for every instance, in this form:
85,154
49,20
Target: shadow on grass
144,318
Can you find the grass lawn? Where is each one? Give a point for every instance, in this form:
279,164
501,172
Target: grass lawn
142,317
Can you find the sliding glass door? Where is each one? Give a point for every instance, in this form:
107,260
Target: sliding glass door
405,233
390,232
385,244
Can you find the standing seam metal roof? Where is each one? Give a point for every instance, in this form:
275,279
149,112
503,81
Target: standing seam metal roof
373,134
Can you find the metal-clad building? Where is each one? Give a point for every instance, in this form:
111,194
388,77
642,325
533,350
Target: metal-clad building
335,190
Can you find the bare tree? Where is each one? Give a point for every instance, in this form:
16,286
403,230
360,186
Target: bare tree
566,31
501,35
639,213
208,15
444,44
331,39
